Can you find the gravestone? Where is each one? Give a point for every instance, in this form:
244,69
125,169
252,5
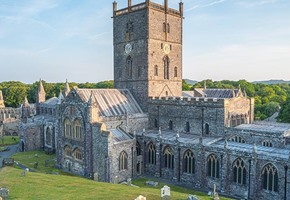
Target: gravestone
165,193
23,173
35,165
151,183
140,198
116,180
129,181
46,163
192,197
96,176
8,162
4,193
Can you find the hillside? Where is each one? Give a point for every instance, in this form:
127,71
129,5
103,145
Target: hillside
272,82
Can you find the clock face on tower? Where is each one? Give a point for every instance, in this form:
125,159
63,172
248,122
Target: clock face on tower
166,49
128,48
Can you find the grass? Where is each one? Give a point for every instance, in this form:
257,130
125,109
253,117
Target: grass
8,140
29,158
46,186
43,185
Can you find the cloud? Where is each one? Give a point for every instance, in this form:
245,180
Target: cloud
207,4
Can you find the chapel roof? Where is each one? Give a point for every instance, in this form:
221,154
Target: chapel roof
269,127
213,93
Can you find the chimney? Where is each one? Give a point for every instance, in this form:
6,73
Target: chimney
114,8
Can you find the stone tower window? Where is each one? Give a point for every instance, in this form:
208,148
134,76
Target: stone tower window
270,178
187,127
240,173
213,166
123,161
155,70
189,162
175,71
151,154
166,67
170,125
168,28
129,67
168,158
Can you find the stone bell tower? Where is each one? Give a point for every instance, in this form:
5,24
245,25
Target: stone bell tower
148,50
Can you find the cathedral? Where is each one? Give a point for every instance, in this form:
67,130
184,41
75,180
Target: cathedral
148,126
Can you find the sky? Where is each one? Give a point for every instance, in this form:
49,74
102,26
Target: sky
57,40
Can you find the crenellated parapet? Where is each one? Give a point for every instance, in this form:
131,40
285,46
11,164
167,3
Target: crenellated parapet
145,5
198,101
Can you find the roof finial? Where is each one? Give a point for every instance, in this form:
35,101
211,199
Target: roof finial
66,88
204,84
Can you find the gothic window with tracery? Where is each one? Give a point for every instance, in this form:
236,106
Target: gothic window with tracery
213,166
67,151
267,143
123,161
67,128
138,149
151,154
189,162
270,178
78,130
240,172
168,158
78,154
238,139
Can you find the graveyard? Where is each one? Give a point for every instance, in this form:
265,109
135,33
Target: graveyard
46,182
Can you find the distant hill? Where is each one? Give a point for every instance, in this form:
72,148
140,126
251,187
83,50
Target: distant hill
190,82
272,82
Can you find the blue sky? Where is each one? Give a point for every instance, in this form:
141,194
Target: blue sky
72,39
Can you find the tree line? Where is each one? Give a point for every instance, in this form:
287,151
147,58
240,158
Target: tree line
268,98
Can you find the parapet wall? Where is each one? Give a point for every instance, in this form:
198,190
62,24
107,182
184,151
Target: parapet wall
193,101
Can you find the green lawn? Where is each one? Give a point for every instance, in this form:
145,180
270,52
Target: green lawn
29,158
46,186
43,185
8,140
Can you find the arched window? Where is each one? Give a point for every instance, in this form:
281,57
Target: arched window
78,129
67,151
270,178
238,139
187,127
166,67
78,154
48,136
67,128
123,161
170,125
240,172
138,149
129,67
156,123
206,128
151,154
168,158
155,70
175,71
267,144
189,162
213,166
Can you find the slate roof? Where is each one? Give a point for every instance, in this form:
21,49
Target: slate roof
217,93
111,102
119,135
52,101
268,127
